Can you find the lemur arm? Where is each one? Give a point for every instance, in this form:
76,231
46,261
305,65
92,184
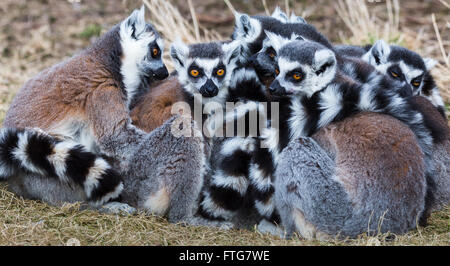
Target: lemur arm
111,123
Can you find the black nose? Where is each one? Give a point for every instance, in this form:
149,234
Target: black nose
209,89
160,73
253,59
404,89
276,89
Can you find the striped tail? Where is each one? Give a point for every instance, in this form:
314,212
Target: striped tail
36,152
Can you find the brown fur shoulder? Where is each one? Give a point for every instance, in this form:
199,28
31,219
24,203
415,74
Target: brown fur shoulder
432,118
155,107
58,93
372,149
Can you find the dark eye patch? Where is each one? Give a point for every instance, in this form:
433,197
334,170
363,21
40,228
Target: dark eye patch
271,52
417,81
192,68
220,66
294,73
395,72
153,47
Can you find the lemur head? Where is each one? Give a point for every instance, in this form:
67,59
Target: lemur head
250,29
400,64
304,68
253,32
205,68
265,61
142,48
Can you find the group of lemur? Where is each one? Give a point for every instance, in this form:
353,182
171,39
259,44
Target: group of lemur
361,142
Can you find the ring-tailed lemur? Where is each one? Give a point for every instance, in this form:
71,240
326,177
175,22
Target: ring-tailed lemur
407,66
235,176
204,71
400,64
320,95
84,101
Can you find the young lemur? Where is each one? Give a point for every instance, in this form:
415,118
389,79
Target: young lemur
82,105
204,72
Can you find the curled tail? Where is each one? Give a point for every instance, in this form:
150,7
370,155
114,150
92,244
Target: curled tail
39,153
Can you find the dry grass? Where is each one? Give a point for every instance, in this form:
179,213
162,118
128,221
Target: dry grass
25,52
26,222
367,27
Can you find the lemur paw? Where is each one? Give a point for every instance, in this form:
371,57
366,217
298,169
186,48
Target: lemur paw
200,221
117,208
266,227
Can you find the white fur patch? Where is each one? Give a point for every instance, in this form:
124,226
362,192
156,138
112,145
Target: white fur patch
330,103
409,71
366,99
158,202
237,183
134,52
265,209
436,98
243,74
262,182
59,157
231,145
20,154
297,120
270,139
111,195
95,173
280,15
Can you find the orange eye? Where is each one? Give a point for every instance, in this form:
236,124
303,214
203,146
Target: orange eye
416,84
277,71
194,72
155,51
395,75
220,72
297,76
272,55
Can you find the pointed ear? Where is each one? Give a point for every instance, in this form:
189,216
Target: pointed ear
246,28
135,23
324,61
429,63
296,19
280,15
379,53
276,40
231,50
179,53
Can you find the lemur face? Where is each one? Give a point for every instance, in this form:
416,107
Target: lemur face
305,68
400,64
252,31
142,48
205,68
265,61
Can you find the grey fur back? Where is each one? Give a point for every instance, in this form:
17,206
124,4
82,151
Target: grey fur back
303,181
320,186
163,160
441,158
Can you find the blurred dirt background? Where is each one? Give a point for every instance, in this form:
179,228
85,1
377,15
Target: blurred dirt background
35,34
